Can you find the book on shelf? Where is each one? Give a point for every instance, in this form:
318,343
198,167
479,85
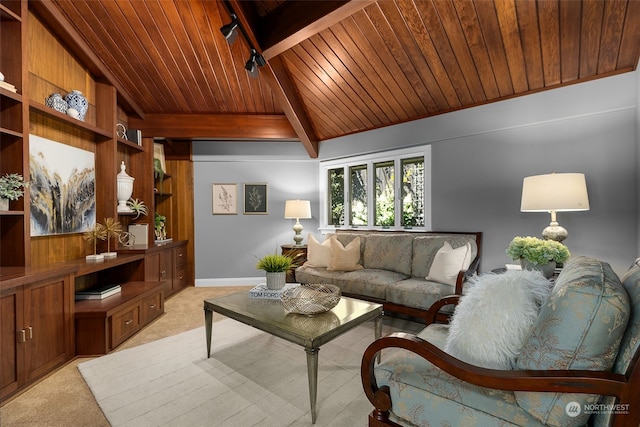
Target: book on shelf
262,292
99,292
8,86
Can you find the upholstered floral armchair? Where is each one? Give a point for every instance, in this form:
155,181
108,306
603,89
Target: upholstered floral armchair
576,363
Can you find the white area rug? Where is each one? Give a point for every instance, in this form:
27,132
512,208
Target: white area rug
251,379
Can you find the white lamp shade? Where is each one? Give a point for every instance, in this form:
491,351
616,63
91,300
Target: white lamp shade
296,209
554,192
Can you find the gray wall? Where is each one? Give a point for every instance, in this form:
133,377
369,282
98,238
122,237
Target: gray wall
479,158
227,246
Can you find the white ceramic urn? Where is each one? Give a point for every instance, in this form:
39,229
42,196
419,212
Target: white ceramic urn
125,189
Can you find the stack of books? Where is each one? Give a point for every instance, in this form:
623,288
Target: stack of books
262,292
7,86
99,293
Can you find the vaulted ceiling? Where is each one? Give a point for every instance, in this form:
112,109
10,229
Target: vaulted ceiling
339,67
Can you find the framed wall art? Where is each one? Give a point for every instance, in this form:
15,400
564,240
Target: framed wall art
225,199
255,198
63,194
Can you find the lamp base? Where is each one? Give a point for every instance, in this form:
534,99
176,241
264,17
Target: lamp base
555,232
298,237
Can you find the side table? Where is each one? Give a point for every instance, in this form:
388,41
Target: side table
299,255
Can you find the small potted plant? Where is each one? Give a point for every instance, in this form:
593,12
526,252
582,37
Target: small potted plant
276,267
11,188
138,207
159,227
538,254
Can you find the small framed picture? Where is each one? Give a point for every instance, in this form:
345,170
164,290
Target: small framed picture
225,199
255,199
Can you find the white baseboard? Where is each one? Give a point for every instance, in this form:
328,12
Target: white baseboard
229,281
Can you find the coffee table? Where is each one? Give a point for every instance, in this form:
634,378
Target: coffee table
310,332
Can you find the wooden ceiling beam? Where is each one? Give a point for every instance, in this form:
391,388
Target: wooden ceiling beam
295,21
216,126
278,79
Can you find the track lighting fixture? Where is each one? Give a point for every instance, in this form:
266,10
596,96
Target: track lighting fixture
230,30
255,60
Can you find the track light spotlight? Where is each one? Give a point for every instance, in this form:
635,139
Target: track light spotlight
230,30
255,60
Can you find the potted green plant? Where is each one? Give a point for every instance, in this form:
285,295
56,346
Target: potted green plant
159,226
539,254
138,207
276,267
11,188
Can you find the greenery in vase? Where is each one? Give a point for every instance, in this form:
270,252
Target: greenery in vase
273,263
159,223
158,173
12,186
537,251
138,207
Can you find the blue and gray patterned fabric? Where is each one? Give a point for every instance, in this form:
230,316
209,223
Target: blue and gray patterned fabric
581,326
395,267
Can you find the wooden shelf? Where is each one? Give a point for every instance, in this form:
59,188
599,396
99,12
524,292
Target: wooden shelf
128,292
11,213
8,14
9,132
100,134
130,144
8,94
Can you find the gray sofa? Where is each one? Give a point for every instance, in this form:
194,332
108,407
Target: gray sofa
395,267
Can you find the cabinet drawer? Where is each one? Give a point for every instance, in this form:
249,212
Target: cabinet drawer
124,324
181,278
181,256
151,308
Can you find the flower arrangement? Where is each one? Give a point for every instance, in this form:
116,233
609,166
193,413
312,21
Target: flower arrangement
537,251
12,186
273,263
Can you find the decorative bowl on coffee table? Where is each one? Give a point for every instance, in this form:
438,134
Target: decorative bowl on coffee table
310,298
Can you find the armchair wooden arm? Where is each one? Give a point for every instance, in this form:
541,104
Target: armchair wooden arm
563,381
464,275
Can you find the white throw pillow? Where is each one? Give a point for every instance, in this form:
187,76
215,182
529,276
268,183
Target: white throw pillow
448,262
494,318
344,258
318,254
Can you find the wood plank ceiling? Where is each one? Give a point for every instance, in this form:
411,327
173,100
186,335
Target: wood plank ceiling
337,67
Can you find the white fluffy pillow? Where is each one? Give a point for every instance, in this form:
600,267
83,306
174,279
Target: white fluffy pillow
494,318
448,262
344,258
318,254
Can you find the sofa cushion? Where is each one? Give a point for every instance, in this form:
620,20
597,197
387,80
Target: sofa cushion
426,247
318,254
422,394
579,327
344,258
493,319
389,252
448,262
346,238
368,283
308,274
418,292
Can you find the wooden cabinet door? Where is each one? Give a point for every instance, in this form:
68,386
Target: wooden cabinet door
48,325
11,351
152,268
167,269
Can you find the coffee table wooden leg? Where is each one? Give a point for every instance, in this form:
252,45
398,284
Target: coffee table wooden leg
312,373
208,322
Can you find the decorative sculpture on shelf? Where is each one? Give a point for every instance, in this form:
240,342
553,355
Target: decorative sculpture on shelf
92,236
125,189
112,229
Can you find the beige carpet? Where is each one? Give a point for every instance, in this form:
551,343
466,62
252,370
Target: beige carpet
251,379
63,399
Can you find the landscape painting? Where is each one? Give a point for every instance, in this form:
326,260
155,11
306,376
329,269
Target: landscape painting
63,196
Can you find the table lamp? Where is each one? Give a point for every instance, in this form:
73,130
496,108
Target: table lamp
554,192
296,209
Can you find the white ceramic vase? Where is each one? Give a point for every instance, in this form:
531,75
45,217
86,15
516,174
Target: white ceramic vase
125,189
4,204
276,279
547,269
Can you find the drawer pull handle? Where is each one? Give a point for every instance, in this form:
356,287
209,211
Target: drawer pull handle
152,306
181,277
128,322
30,332
23,336
180,254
